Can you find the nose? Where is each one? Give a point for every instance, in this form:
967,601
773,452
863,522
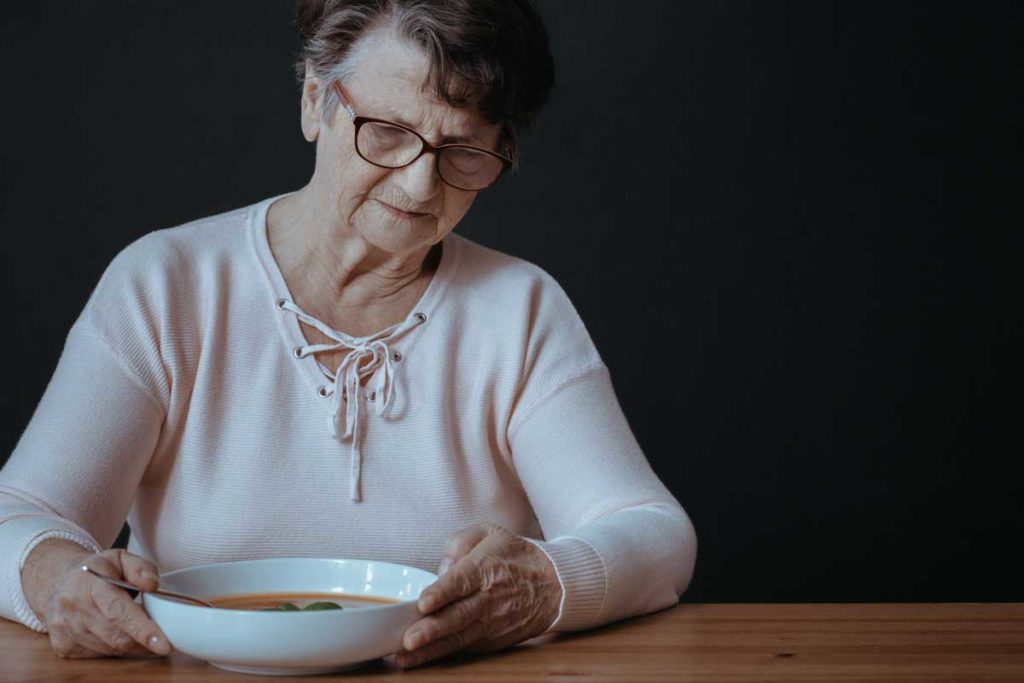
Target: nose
419,180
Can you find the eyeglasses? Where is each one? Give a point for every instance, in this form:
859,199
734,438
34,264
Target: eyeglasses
392,145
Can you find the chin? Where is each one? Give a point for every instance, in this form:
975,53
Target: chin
398,237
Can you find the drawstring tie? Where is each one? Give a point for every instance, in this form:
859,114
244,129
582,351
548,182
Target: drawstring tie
369,356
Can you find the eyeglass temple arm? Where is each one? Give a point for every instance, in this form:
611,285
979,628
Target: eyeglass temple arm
345,102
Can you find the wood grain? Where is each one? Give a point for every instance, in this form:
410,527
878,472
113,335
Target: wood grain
789,642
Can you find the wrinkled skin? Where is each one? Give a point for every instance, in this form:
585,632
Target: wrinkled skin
88,617
496,589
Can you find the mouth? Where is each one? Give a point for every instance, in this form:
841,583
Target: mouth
399,213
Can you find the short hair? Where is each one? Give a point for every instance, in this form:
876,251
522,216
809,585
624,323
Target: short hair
492,54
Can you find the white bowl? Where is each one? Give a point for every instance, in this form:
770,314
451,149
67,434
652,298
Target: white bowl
287,643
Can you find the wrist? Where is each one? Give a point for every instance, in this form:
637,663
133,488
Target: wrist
583,580
43,568
552,591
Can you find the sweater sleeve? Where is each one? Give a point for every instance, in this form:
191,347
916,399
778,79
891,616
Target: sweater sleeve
620,542
76,467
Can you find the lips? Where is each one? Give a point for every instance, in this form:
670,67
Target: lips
402,212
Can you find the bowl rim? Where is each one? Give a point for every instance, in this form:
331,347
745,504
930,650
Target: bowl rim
197,567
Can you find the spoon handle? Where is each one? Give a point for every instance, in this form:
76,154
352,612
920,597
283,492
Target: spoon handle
131,587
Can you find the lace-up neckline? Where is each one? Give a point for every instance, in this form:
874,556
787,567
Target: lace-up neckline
370,357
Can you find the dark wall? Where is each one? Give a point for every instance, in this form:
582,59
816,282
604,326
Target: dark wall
793,230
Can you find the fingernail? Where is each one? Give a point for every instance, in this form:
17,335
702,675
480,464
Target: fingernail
446,564
149,576
427,604
158,645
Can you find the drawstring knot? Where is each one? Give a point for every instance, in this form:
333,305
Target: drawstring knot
369,358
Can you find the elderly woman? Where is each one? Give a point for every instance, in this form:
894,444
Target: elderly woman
334,372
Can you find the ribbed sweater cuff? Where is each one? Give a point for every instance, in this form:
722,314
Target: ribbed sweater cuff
16,562
584,581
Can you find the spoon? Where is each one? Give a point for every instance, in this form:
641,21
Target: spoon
128,586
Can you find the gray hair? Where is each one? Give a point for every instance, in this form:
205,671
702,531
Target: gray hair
492,54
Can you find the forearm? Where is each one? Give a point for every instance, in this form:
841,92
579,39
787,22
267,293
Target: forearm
75,470
629,562
42,569
620,541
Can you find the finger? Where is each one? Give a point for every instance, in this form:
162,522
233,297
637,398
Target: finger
499,643
122,613
114,641
441,647
119,564
138,571
89,637
461,543
461,581
68,645
452,619
78,652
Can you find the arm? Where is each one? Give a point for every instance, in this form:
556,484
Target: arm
75,470
620,542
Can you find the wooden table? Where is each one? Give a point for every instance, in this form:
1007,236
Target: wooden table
691,642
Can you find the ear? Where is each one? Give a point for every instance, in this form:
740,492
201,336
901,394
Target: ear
310,104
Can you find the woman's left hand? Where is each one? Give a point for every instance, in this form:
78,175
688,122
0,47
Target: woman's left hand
499,590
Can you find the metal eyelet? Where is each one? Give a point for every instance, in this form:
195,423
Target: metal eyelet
396,356
281,303
421,317
321,391
372,396
297,352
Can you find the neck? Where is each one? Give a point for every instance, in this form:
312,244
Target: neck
328,265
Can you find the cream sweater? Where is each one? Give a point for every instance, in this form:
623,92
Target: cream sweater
187,400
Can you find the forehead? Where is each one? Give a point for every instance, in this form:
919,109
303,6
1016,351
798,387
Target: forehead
387,82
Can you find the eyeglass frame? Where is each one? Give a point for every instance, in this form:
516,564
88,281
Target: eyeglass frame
359,120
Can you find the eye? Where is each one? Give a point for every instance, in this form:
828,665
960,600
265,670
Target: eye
387,145
385,135
466,160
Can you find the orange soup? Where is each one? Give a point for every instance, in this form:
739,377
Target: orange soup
299,602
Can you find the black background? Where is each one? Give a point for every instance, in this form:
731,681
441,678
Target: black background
793,230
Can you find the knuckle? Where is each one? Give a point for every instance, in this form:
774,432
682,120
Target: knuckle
489,578
458,545
136,564
463,583
493,529
462,613
432,628
116,610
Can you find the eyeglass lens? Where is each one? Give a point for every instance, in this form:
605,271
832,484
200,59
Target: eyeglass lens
394,147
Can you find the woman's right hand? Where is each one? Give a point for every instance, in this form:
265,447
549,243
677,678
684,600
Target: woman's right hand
88,617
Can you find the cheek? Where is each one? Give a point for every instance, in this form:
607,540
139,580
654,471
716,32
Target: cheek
456,204
351,182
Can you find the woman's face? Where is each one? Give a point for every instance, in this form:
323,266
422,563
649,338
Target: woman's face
404,209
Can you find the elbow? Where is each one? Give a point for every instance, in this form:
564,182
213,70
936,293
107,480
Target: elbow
686,553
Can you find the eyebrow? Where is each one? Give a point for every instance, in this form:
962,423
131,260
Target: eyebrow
395,117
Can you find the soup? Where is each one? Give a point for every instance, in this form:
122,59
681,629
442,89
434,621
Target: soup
297,602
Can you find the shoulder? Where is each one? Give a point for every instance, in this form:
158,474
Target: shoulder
153,292
505,282
169,255
519,304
